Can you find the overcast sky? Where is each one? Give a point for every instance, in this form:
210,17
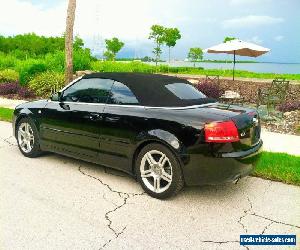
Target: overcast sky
271,23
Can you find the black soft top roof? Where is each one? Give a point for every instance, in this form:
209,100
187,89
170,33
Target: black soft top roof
150,89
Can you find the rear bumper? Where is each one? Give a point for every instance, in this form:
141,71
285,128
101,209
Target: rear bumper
202,169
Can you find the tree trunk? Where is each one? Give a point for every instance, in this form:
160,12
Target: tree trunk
169,55
69,41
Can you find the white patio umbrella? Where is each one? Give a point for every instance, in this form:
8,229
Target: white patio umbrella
238,47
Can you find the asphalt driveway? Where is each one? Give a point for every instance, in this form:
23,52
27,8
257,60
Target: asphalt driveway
54,202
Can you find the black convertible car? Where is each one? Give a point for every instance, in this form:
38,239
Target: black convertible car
155,127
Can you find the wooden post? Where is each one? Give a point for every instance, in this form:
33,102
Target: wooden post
69,41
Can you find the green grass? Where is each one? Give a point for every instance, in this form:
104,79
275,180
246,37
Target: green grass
6,114
147,68
227,61
279,167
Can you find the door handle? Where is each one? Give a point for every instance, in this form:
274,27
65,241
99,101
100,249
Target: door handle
95,117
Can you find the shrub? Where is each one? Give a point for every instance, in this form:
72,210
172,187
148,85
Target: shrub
211,90
29,69
55,61
289,106
47,83
7,61
25,93
82,59
9,88
8,75
14,90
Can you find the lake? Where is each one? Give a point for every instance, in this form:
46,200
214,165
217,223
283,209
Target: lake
279,68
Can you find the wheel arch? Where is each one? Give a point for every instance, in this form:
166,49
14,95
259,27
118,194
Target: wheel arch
152,141
24,114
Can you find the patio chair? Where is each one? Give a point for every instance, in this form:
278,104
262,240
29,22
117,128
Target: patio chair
212,79
274,95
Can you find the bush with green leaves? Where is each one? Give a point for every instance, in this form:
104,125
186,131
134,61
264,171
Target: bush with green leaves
82,59
7,61
29,68
55,61
46,83
8,75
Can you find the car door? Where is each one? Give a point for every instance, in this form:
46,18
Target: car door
123,121
72,125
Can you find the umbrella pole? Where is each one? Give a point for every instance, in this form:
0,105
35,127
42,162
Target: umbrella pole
233,64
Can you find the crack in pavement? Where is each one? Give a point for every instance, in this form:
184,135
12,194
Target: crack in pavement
250,211
245,214
6,140
125,196
224,242
221,242
274,221
266,227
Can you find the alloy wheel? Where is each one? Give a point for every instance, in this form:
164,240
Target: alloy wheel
156,171
25,137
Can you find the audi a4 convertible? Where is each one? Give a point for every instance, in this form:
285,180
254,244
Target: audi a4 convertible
158,128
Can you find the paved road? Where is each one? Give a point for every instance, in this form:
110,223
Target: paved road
276,142
55,202
10,103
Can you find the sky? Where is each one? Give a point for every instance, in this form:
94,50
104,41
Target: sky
274,24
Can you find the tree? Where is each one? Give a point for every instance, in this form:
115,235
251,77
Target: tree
170,38
158,35
69,41
195,54
78,43
113,46
228,38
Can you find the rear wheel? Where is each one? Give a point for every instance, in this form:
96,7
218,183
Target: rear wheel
158,171
27,137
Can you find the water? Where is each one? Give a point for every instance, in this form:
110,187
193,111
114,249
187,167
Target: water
279,68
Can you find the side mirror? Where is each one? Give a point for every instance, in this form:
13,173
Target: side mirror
56,97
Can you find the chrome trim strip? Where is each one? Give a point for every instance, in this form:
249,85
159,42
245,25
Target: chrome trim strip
184,107
139,106
71,83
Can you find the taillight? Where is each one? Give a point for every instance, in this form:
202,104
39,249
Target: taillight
221,132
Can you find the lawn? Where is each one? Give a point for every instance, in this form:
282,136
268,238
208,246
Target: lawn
6,114
279,167
108,66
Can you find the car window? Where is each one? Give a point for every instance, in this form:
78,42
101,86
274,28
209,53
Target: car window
121,94
92,90
185,91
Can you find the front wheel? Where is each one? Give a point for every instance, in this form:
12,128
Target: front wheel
27,137
159,171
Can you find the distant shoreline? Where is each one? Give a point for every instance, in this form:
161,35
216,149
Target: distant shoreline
203,61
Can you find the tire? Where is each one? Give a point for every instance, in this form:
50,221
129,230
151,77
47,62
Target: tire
159,171
28,141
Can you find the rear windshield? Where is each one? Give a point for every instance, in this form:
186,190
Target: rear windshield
185,91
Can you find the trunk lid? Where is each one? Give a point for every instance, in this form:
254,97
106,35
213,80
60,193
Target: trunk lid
246,120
